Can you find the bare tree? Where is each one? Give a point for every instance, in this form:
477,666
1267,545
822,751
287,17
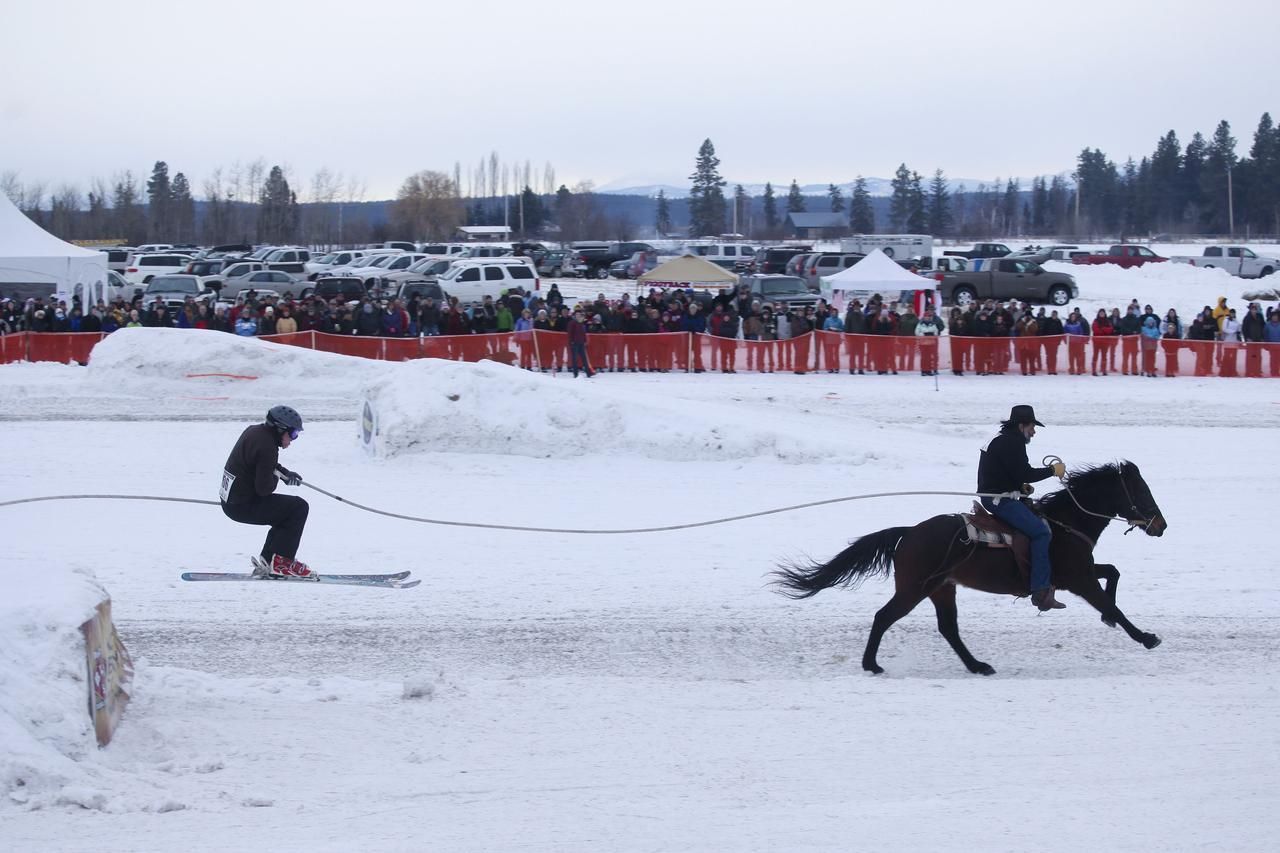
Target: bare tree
64,212
427,207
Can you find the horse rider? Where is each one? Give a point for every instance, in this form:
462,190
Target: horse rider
1003,468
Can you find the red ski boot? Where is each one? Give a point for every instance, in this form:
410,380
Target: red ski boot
283,567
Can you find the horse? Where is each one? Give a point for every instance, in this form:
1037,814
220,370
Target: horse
930,559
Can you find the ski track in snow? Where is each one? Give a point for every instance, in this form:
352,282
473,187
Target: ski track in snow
551,692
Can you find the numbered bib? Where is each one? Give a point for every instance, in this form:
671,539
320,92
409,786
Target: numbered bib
228,480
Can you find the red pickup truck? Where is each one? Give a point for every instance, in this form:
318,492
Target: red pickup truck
1121,256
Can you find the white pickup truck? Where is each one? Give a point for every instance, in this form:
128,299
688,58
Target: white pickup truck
1236,260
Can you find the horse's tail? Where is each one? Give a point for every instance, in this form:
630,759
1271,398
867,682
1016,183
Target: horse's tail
870,555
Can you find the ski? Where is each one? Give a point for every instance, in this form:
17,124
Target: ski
390,581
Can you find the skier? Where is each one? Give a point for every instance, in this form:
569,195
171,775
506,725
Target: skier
247,493
1003,468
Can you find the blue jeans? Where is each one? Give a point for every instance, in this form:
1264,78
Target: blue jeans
1016,515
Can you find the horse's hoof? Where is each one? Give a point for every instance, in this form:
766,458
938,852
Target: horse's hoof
874,669
1110,623
983,669
1150,641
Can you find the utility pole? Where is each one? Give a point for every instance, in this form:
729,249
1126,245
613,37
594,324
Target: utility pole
1231,209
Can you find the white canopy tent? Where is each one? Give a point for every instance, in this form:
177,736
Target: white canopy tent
32,256
876,273
688,271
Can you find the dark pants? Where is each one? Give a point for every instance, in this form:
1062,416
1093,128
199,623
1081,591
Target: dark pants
578,358
287,515
1015,514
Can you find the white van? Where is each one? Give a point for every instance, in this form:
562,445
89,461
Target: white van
728,255
473,280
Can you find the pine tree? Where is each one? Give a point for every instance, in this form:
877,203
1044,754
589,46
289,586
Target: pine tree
939,205
1220,161
534,214
741,208
862,216
159,203
130,224
1039,206
1009,206
662,221
184,210
770,209
917,217
1167,193
706,195
1262,202
900,199
278,220
795,199
836,196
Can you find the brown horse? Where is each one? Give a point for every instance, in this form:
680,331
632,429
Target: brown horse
930,559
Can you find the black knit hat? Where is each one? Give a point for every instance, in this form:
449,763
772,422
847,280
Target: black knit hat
1023,415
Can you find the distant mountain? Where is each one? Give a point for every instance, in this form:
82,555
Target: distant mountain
876,186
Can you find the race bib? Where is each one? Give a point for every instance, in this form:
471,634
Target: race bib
228,480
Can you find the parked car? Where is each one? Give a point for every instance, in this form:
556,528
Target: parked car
205,267
291,260
634,266
118,259
982,250
1042,254
1006,278
239,269
153,248
796,265
426,269
142,267
395,263
375,259
226,250
1124,255
827,263
316,267
1236,260
593,259
442,248
401,245
422,289
346,288
118,287
269,279
779,288
472,280
238,293
552,263
773,259
173,290
731,256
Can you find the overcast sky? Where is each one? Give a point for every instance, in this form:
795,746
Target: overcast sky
620,93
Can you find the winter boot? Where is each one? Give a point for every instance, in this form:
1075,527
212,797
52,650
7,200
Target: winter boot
283,567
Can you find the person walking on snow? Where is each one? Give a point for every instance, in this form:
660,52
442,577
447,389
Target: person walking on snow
248,493
1003,468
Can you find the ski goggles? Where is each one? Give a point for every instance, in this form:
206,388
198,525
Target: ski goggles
294,433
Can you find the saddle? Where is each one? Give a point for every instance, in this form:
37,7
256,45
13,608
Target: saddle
983,529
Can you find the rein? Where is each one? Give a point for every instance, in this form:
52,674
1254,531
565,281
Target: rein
1066,487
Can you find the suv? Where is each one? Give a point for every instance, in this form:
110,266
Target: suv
773,260
826,263
173,290
779,288
291,260
206,268
427,269
731,256
117,259
317,267
143,268
472,280
346,288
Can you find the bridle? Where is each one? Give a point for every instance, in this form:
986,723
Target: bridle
1146,520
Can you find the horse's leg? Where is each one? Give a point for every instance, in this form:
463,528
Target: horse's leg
1089,589
1109,573
944,601
900,605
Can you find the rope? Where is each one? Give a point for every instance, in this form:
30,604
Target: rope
579,531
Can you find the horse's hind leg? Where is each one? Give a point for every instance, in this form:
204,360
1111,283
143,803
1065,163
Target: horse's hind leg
900,605
944,601
1110,574
1090,591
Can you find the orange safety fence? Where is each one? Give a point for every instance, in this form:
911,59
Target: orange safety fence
812,352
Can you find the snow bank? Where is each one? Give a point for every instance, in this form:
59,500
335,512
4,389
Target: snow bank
177,353
45,728
433,406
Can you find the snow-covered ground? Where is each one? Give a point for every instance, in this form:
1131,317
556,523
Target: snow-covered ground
638,692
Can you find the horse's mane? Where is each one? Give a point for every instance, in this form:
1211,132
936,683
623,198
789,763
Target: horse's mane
1092,486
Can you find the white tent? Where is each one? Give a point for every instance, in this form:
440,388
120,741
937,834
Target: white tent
688,271
876,273
30,255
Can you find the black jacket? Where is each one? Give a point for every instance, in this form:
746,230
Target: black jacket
1003,465
251,467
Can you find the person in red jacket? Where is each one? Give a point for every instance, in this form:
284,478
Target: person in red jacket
1103,343
577,333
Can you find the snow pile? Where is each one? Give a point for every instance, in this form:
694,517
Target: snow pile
443,406
44,721
1162,286
176,353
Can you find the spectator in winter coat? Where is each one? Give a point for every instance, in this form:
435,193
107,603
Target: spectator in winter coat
1251,325
1230,337
834,327
928,330
1220,311
246,325
267,324
1150,341
392,321
286,324
367,321
576,332
1103,332
1129,327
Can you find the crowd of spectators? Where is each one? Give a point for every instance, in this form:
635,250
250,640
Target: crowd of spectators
728,317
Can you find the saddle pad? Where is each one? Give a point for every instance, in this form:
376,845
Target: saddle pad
982,536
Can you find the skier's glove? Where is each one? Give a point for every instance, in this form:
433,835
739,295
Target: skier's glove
289,478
